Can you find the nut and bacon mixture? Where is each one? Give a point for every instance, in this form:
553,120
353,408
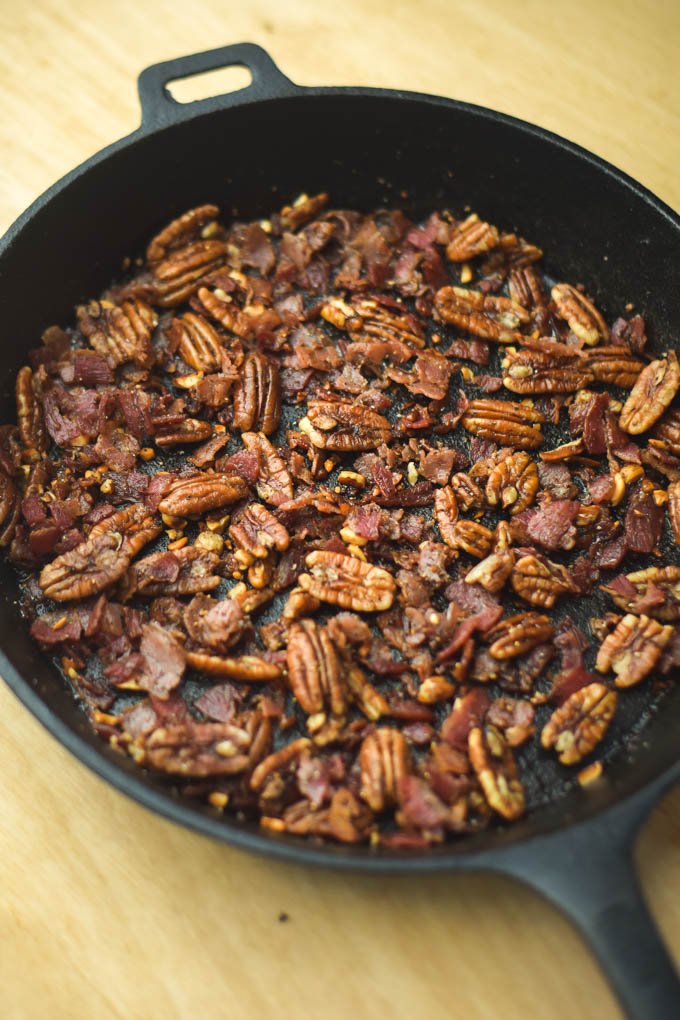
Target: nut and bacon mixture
304,508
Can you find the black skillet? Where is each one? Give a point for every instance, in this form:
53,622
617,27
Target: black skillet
249,151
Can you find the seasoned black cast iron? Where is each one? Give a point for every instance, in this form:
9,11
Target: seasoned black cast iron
249,152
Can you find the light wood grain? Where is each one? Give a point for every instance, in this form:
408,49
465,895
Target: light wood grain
109,912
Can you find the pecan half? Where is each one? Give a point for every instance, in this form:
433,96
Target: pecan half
315,674
493,571
668,431
577,727
582,316
256,533
191,430
257,397
653,391
190,226
468,494
518,634
344,427
366,319
525,288
496,769
613,366
181,274
663,448
471,237
539,581
504,422
198,342
446,513
434,689
470,536
674,509
513,483
199,493
545,367
567,451
274,484
281,759
221,307
197,750
303,209
632,649
247,668
484,315
384,759
10,507
119,333
30,414
348,582
513,252
664,581
366,697
102,558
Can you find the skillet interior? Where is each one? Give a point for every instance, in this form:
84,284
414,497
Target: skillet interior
367,150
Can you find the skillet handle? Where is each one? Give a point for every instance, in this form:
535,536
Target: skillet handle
588,872
160,109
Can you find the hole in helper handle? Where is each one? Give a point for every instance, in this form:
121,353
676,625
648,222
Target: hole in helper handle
159,108
587,871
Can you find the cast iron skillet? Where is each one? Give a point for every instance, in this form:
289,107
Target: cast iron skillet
249,151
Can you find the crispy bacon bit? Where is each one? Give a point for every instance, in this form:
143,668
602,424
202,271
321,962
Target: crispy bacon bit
183,571
219,703
163,661
214,625
643,522
552,526
467,713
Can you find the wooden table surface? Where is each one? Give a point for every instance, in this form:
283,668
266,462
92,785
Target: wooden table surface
109,912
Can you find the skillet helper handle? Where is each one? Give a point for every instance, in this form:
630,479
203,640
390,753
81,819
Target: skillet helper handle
588,872
160,109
